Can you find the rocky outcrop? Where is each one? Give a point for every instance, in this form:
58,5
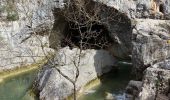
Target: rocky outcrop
118,27
133,89
27,53
150,56
156,83
141,8
25,27
40,15
94,63
150,44
154,86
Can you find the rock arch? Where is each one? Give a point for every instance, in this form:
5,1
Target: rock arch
115,26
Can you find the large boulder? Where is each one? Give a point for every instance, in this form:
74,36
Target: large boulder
93,63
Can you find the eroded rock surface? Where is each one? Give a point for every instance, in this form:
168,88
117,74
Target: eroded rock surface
156,84
24,30
150,55
150,43
133,89
149,37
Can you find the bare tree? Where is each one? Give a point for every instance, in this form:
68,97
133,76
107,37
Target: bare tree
83,34
86,31
86,27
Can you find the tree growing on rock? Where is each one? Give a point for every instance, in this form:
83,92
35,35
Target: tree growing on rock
85,28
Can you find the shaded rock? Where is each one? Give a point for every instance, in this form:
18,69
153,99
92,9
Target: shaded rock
133,89
119,31
162,97
129,97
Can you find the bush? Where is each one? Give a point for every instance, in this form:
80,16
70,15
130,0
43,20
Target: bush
10,9
12,16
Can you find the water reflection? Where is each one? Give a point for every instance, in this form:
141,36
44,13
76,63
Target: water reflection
17,87
111,83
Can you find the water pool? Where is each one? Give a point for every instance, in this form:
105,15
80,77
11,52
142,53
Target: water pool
113,83
18,87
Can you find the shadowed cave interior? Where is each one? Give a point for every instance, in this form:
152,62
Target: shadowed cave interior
90,36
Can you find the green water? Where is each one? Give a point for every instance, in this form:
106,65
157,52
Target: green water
113,82
17,88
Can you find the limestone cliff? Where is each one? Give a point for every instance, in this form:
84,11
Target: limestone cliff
128,29
19,21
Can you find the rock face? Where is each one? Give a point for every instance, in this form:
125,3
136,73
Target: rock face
94,63
141,8
21,46
150,57
133,89
156,84
40,15
119,31
24,30
150,44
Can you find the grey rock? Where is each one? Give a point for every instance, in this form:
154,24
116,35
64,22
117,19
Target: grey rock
149,44
155,84
133,89
165,64
19,45
53,86
119,31
138,8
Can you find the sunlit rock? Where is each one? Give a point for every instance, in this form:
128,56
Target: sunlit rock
93,63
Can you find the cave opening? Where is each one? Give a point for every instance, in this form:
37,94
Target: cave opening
162,8
90,36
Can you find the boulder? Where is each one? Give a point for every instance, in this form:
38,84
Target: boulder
133,89
93,63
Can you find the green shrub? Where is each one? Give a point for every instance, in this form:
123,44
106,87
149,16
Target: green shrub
2,8
11,10
12,16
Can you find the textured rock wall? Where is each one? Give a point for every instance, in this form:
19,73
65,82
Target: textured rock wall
156,84
140,8
150,43
19,44
116,23
150,56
